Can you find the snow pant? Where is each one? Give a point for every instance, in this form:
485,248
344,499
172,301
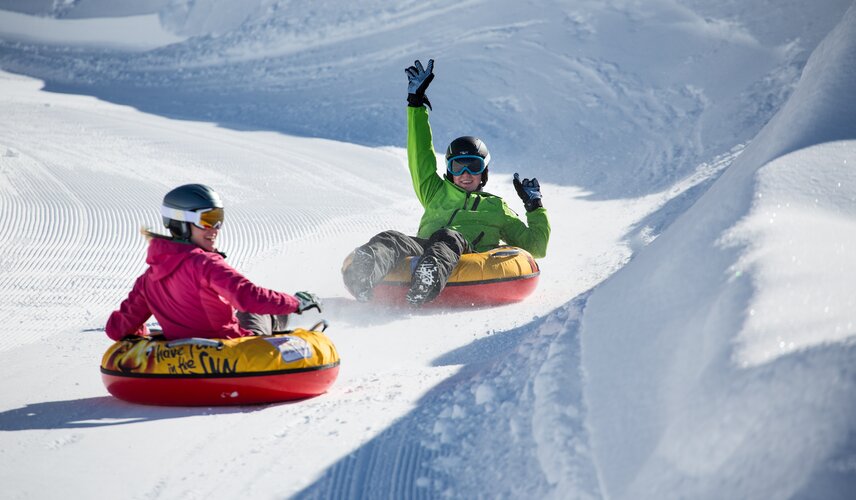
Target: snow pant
262,324
387,248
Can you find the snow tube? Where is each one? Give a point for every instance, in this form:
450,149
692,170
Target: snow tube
499,276
209,372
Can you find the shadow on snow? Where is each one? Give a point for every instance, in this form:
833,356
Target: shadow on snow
438,448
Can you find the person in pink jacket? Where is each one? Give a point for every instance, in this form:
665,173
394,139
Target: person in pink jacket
189,287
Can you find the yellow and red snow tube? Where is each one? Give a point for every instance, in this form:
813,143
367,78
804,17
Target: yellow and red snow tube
207,372
499,276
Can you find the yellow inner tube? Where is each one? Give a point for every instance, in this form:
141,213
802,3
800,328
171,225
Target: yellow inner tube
298,350
499,264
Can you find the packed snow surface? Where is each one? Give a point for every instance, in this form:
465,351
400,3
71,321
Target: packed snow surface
692,335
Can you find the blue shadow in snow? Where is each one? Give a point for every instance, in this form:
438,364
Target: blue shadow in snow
408,460
102,411
485,348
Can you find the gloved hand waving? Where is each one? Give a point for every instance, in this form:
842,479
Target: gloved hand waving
418,79
307,301
529,191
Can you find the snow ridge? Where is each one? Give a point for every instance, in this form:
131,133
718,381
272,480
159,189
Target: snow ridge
708,351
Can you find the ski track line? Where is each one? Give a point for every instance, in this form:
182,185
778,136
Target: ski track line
79,245
265,230
72,248
313,170
56,234
390,465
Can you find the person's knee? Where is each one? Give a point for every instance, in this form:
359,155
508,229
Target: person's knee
389,235
450,237
259,324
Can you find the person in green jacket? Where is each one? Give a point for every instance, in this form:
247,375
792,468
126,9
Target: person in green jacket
459,217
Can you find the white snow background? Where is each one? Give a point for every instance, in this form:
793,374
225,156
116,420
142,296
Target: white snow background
693,332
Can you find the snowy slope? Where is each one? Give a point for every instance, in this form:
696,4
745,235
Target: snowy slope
622,98
80,176
717,363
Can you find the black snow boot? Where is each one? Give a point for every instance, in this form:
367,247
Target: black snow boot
357,276
425,284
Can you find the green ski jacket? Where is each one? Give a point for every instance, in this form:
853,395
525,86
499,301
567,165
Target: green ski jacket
482,218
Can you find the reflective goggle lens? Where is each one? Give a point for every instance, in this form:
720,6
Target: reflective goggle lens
210,219
468,163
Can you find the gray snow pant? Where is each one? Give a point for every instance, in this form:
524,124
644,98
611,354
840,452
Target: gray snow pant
389,247
262,324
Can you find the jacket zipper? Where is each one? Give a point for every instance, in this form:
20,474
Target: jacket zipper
476,241
476,204
478,238
459,209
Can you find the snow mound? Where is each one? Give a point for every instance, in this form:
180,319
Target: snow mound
720,361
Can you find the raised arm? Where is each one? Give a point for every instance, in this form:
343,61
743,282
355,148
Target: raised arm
421,159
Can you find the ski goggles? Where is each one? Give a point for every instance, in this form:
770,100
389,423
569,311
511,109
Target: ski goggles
473,164
208,218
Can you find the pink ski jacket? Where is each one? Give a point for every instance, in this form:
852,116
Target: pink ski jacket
192,293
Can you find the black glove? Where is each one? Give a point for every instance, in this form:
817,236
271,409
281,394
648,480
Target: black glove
307,301
529,191
418,79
